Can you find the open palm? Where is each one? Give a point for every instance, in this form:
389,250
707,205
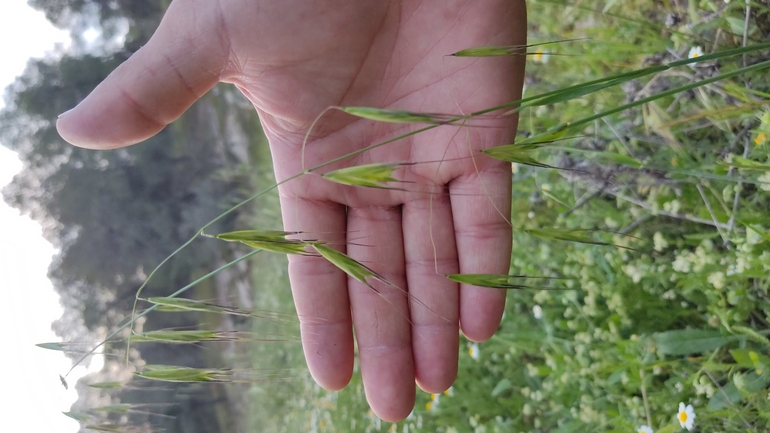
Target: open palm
295,58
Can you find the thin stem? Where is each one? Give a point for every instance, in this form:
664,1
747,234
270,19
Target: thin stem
668,214
644,397
711,211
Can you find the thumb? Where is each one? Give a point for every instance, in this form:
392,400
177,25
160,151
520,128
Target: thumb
182,61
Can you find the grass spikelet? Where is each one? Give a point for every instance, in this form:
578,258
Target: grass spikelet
113,428
174,305
184,336
367,175
106,385
495,281
510,50
62,347
569,235
170,373
78,416
348,265
269,240
518,153
113,408
396,116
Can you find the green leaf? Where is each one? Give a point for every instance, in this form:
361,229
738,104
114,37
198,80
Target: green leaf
746,164
726,396
690,341
502,386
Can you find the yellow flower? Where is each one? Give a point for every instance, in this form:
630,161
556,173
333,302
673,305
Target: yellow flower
761,138
450,392
686,416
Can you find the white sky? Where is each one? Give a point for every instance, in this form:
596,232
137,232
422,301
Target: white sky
34,396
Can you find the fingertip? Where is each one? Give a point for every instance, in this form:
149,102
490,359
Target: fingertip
481,311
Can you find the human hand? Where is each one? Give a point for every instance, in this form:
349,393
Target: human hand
295,58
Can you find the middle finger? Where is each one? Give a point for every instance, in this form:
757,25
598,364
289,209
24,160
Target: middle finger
381,312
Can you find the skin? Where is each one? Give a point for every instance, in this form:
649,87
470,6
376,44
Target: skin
295,58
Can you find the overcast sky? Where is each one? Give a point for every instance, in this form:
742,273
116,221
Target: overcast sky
35,398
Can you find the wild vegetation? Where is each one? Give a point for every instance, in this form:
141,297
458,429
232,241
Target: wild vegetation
638,288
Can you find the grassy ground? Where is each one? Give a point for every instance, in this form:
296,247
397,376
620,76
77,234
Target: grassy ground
670,303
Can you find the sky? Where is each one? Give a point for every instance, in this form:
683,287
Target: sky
37,398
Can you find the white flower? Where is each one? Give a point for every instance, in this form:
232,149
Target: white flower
695,52
537,311
645,429
450,392
474,351
540,56
686,416
717,279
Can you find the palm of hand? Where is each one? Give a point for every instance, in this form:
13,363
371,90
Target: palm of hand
293,59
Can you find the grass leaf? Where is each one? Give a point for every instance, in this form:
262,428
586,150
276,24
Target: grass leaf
689,341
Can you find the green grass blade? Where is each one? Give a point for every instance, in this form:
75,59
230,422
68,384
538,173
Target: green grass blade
614,157
565,126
